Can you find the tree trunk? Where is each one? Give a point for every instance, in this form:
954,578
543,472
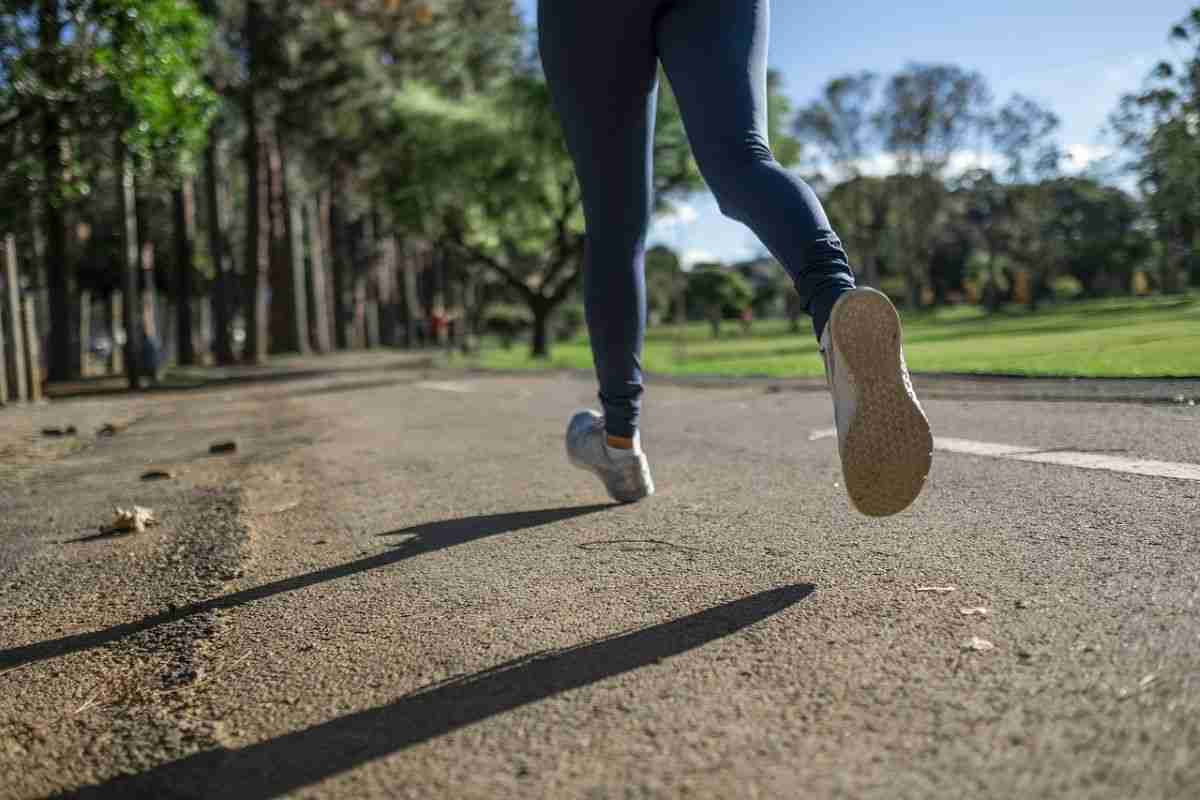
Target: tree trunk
85,331
184,198
293,222
318,278
33,351
257,259
58,270
12,349
3,370
871,268
364,270
222,313
541,330
914,291
289,311
412,303
129,250
343,321
389,318
325,222
116,314
257,263
146,265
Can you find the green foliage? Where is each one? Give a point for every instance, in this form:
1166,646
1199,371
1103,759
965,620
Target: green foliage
569,321
1096,229
150,53
1020,131
1160,127
929,112
507,322
841,124
719,292
664,280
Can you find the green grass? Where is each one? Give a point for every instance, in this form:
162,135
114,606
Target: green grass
1123,337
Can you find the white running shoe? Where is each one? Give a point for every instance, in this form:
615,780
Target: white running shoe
626,473
883,434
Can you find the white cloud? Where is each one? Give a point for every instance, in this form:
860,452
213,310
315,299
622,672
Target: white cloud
882,164
876,164
684,213
691,258
1081,156
680,216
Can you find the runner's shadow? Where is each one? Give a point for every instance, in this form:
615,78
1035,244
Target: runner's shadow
293,761
425,539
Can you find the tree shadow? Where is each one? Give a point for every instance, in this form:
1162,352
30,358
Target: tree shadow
114,385
425,539
292,761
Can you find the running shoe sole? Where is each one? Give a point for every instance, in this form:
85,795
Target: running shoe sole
888,450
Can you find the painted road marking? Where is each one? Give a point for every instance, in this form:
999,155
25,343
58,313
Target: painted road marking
446,386
1063,458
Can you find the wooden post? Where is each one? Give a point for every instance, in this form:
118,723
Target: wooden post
116,357
33,351
14,335
203,331
3,371
85,332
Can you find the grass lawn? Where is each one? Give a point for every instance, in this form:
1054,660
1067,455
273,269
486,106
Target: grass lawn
1123,337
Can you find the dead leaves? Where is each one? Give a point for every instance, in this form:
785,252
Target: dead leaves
130,520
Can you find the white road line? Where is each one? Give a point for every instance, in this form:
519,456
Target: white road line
1062,458
446,386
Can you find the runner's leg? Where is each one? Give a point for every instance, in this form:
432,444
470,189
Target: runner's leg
716,57
600,62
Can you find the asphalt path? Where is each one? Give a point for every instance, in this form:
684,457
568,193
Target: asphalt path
397,587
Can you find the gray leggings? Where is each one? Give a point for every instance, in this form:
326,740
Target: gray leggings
601,61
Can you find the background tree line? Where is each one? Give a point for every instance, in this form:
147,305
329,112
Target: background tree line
227,179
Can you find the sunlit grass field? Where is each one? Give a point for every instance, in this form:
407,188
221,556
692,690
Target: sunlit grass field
1123,337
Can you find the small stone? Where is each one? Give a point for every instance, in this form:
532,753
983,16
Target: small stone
1025,655
977,645
979,611
221,448
108,429
157,475
1024,604
936,589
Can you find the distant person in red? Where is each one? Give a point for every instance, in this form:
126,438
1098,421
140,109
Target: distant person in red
601,60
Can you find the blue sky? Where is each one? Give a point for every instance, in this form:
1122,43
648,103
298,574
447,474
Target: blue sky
1075,56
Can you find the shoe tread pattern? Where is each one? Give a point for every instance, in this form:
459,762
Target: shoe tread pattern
888,450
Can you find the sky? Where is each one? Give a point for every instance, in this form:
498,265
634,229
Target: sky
1076,57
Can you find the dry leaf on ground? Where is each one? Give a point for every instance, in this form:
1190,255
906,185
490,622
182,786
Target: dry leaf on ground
131,520
977,645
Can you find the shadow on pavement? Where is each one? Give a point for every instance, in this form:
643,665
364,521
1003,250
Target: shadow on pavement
290,762
426,539
185,380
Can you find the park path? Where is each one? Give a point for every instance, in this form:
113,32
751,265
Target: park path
397,588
